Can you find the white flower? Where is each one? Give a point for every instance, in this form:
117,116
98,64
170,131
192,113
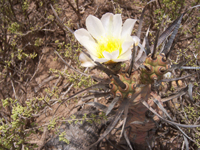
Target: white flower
168,75
106,40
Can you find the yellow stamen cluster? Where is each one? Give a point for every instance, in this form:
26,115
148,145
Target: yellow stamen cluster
108,44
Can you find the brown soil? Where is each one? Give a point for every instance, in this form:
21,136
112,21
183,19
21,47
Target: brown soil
38,78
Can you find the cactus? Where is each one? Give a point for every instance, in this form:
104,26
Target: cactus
136,91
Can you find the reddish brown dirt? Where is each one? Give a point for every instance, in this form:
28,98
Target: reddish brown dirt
39,69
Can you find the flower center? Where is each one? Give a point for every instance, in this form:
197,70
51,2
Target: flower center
108,44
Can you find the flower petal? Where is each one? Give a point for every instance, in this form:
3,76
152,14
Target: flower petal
83,57
87,64
82,33
136,40
115,54
117,25
85,60
95,27
90,46
101,60
86,40
111,56
127,44
107,55
125,56
107,21
128,27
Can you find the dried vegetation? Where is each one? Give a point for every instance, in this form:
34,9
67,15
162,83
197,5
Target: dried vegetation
34,81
